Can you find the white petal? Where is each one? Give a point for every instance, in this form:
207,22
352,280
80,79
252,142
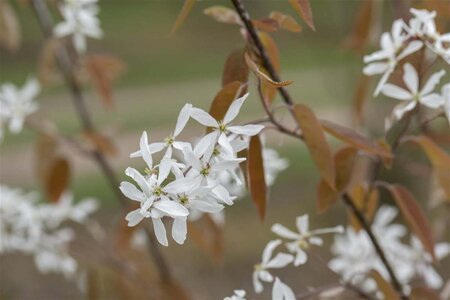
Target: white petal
314,240
284,232
300,257
203,117
192,159
281,291
130,191
179,230
432,100
140,180
234,109
383,80
257,285
375,68
267,253
134,217
302,223
160,231
401,109
183,118
225,143
432,82
183,185
411,78
226,164
280,260
31,89
164,169
410,49
171,208
442,250
145,151
396,92
249,129
264,275
223,195
432,278
208,141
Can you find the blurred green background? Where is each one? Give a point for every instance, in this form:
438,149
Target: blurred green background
164,73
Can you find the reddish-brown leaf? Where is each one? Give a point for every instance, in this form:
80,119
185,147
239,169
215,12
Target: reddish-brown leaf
235,68
354,139
266,79
57,179
103,70
385,287
361,27
438,158
316,142
360,98
285,22
266,24
271,48
255,173
366,204
303,8
414,215
45,151
223,14
424,293
182,16
343,162
10,36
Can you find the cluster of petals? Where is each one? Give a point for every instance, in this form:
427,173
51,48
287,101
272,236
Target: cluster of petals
80,21
30,227
404,40
189,178
16,104
355,256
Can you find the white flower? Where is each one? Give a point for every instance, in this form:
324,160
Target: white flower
280,260
16,104
355,254
393,49
80,21
223,127
170,141
413,95
238,295
281,291
304,238
422,261
273,164
29,227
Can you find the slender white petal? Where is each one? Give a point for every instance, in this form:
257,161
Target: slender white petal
411,78
302,223
145,151
206,142
284,232
257,285
300,257
164,169
432,82
234,109
281,291
179,230
432,101
140,180
134,217
160,231
396,92
280,260
250,129
203,117
130,191
268,250
183,118
171,208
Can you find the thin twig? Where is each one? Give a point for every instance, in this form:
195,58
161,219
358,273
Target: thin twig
66,68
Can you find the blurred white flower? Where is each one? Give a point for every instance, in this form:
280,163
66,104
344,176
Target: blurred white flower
273,164
281,291
355,256
35,228
238,295
393,49
446,100
16,104
80,21
425,96
302,240
261,272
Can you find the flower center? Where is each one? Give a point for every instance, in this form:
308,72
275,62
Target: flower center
222,127
258,267
158,191
205,170
303,244
183,199
216,151
169,140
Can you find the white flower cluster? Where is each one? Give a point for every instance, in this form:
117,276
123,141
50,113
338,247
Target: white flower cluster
36,229
404,40
355,255
80,21
16,104
202,179
298,244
